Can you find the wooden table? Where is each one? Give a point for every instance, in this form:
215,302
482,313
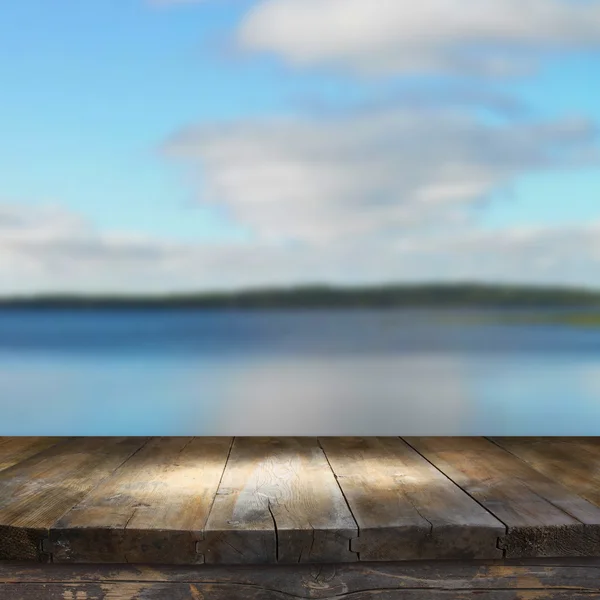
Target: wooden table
280,518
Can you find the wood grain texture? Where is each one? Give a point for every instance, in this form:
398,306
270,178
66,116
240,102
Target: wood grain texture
162,591
278,502
36,492
14,450
417,580
405,508
152,509
573,462
543,517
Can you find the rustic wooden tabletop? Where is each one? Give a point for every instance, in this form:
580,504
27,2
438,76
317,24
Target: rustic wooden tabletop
189,501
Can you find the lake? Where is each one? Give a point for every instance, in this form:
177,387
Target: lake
342,372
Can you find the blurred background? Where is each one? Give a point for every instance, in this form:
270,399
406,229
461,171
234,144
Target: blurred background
299,217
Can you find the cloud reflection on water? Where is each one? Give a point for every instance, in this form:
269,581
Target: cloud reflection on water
379,395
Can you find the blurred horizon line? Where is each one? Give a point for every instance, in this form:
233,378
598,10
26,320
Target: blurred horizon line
327,295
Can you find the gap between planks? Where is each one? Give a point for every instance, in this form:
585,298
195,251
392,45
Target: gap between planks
500,543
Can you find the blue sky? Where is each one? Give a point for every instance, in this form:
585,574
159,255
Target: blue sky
226,143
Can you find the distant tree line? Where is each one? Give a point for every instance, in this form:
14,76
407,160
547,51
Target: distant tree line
320,296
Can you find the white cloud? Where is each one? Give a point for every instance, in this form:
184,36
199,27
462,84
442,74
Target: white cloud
369,174
385,37
52,248
33,259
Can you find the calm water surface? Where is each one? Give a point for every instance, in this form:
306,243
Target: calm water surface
350,372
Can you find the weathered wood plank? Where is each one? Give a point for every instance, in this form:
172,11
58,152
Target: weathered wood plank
152,509
423,579
573,462
162,591
37,491
14,450
278,502
405,508
543,517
